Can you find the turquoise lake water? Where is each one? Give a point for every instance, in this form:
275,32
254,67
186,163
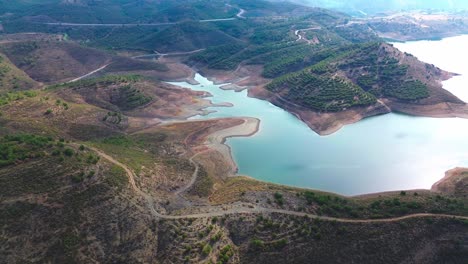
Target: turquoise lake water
383,153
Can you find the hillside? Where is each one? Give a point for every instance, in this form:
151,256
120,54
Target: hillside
12,78
85,161
94,213
67,191
419,25
185,36
52,61
101,162
378,69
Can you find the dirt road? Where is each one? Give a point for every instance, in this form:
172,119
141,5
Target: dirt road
243,208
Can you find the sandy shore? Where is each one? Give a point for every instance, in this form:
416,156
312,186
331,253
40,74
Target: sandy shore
233,87
216,140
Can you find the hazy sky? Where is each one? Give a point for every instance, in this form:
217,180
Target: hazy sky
386,5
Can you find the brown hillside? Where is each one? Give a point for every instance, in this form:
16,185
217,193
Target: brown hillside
52,61
12,78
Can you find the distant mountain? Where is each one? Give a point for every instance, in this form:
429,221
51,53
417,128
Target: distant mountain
376,6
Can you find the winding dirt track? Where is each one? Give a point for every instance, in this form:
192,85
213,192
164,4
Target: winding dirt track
89,74
300,37
64,24
194,175
249,208
156,53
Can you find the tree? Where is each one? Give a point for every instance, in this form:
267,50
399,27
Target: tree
68,152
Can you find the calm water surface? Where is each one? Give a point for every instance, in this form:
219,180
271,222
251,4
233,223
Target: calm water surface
384,153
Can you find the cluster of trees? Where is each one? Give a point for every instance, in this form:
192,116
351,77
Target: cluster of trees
128,97
408,90
300,56
356,33
94,82
113,117
384,207
272,44
23,52
328,94
225,254
249,54
330,205
8,97
286,60
379,73
214,56
20,147
229,56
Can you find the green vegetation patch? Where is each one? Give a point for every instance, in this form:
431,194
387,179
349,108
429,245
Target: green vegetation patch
16,148
128,97
203,186
106,80
38,164
378,72
206,250
225,254
9,97
23,52
113,92
213,56
408,90
117,177
320,93
127,150
383,207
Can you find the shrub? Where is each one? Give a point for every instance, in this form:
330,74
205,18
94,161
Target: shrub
77,178
257,243
216,237
280,243
225,254
206,249
278,198
68,152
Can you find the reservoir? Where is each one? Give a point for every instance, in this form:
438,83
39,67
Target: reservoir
383,153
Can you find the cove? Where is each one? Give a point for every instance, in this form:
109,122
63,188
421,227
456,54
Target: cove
383,153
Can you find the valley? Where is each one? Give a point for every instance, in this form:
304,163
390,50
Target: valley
225,132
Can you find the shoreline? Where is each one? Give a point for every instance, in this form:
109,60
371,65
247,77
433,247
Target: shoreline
323,124
217,139
448,184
